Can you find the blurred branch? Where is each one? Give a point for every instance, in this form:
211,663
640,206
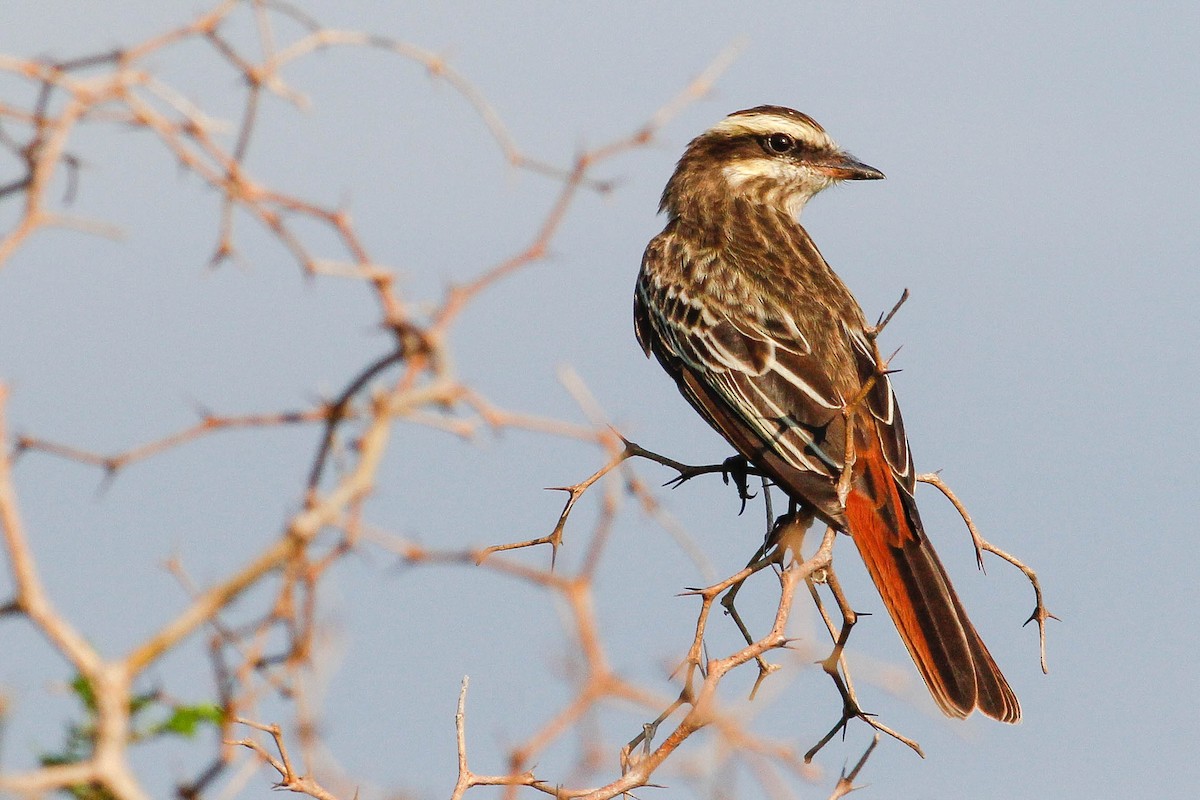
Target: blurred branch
31,598
262,647
288,779
845,784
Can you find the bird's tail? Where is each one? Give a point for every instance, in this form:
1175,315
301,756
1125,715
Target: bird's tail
953,660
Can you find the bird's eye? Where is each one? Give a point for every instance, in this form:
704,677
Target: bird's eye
780,142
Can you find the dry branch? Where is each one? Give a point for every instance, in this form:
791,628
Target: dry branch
265,652
412,383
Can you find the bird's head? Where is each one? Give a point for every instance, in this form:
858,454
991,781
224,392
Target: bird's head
769,155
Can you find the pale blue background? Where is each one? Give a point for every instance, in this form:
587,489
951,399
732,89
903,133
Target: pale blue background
1041,206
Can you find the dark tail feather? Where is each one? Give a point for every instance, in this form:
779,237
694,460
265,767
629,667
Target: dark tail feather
952,659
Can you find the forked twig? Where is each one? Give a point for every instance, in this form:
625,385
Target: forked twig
467,778
1040,613
845,784
837,660
288,779
785,537
876,329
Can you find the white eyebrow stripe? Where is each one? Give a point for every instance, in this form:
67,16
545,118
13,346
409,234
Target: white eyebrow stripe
766,124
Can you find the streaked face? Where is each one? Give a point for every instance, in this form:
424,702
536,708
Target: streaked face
775,155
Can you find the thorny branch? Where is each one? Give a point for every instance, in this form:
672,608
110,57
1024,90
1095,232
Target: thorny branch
413,382
785,537
845,784
288,779
835,664
838,670
1040,612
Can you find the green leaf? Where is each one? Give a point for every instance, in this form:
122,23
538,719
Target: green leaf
83,690
186,720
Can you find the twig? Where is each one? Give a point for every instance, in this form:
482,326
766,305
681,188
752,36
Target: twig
288,779
841,679
1040,612
845,784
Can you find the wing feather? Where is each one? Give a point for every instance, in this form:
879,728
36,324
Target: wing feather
885,411
765,391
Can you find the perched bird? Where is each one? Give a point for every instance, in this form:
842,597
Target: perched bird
767,343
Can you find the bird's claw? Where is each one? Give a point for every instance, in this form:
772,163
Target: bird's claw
737,469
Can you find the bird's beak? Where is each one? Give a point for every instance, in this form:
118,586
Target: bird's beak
845,167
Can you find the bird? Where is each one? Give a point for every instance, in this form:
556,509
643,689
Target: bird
767,343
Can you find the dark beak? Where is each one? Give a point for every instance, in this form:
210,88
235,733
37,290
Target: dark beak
845,167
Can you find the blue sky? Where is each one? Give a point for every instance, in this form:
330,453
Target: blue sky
1040,206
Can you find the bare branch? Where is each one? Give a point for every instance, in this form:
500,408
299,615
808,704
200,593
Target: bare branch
1040,613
